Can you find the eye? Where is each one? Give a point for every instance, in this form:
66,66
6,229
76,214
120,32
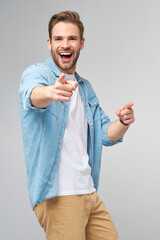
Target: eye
72,38
58,39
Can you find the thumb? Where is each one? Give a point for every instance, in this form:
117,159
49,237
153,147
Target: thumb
118,112
74,84
61,79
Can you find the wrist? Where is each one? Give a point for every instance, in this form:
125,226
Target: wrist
123,122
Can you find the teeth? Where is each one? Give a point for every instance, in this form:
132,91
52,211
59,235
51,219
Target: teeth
65,54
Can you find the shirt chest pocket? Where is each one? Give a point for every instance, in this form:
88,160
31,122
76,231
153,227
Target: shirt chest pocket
94,107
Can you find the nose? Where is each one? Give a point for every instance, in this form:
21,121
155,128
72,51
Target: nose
65,43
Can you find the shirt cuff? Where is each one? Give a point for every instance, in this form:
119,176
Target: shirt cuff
27,102
107,142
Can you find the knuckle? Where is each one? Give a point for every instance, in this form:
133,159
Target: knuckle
70,88
58,92
58,85
56,98
125,117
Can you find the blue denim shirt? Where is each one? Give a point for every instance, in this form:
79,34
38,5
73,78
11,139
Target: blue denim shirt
43,130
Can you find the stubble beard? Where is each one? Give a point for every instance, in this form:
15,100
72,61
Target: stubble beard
61,66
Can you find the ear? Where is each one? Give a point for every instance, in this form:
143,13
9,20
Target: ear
82,43
49,43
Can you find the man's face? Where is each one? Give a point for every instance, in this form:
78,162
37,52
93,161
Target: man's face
65,46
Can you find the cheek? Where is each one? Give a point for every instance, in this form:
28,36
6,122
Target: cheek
77,48
53,49
56,48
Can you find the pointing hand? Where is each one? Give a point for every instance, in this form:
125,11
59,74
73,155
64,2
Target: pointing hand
63,90
126,114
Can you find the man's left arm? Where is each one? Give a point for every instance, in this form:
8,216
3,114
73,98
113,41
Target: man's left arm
118,128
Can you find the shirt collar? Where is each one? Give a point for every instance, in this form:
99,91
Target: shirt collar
56,71
53,67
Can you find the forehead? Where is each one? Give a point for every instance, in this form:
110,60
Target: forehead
65,29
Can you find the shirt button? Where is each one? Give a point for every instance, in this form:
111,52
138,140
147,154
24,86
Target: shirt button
64,124
95,103
49,180
59,142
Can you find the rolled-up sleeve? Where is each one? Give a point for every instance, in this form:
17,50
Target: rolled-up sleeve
105,122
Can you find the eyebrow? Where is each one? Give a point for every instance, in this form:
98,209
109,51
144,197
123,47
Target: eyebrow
57,36
74,36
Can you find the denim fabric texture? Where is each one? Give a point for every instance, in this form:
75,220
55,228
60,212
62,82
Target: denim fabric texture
43,130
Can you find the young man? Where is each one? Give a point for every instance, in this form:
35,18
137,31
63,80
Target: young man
64,129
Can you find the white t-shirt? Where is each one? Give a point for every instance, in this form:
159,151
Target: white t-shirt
74,172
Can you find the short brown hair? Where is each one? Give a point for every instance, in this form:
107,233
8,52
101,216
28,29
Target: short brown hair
66,16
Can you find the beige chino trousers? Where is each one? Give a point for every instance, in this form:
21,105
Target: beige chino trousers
76,217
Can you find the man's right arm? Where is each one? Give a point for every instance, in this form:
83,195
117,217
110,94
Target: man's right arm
42,96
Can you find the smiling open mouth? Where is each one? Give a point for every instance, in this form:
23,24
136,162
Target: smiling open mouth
65,56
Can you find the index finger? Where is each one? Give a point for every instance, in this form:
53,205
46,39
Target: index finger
128,105
61,78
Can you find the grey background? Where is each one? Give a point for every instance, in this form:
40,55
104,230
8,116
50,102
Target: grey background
121,59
